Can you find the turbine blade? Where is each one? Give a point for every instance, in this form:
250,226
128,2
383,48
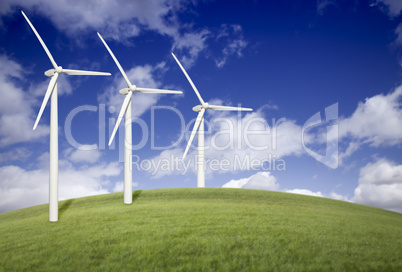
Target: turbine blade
189,80
49,91
122,112
41,41
82,72
195,129
148,90
116,61
226,108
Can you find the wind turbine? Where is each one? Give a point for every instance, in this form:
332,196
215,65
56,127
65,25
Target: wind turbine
54,145
199,125
126,109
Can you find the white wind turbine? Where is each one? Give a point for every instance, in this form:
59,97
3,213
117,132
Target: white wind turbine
126,109
199,125
54,146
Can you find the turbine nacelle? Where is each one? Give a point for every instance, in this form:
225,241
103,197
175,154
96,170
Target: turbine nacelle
126,90
198,108
51,72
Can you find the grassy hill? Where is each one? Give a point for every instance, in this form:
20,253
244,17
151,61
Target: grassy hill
211,229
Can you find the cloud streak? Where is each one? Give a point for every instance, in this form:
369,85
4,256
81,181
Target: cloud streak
390,7
266,181
376,122
380,185
123,20
241,142
22,188
16,106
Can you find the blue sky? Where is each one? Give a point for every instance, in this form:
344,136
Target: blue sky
293,62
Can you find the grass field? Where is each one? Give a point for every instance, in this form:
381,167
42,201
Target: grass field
208,229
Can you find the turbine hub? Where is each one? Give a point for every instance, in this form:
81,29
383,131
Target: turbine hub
133,88
59,70
205,106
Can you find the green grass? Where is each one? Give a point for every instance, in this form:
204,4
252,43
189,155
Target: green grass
211,229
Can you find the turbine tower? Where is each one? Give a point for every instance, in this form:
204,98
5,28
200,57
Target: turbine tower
54,145
126,109
199,126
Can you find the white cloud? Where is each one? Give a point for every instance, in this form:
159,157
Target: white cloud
391,7
398,32
168,162
192,43
16,154
83,154
381,172
119,186
254,134
231,46
260,181
323,4
377,122
39,90
124,20
23,188
338,197
236,183
238,143
352,147
380,185
16,107
305,192
251,137
265,181
142,76
332,195
116,19
19,107
227,39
